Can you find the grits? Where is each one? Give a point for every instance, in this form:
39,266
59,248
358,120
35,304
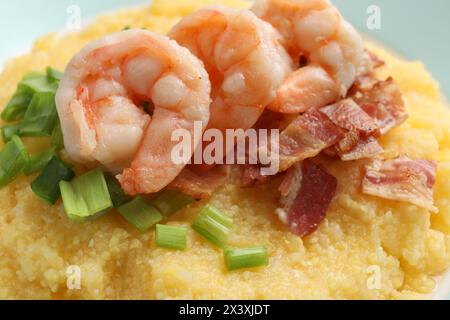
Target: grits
407,244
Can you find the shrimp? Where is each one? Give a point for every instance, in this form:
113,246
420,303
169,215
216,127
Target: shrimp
315,31
100,105
243,57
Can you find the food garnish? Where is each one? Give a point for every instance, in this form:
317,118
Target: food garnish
243,258
46,185
86,196
402,179
307,191
213,225
141,214
171,201
171,237
13,160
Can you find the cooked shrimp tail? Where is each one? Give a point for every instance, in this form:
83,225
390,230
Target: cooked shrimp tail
100,105
315,31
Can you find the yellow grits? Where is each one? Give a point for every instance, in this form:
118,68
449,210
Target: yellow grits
360,235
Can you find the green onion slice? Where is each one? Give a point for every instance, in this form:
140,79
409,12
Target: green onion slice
46,185
53,75
171,201
39,161
31,83
13,159
17,106
213,225
41,116
171,237
10,130
86,196
116,192
140,214
57,136
246,257
35,82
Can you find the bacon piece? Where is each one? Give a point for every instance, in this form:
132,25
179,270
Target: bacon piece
382,100
402,179
374,108
307,191
348,115
365,148
358,142
200,182
251,176
307,136
273,120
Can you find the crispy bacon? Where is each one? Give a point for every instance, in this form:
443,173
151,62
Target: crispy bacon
307,136
365,148
359,126
251,176
348,115
200,182
382,100
307,191
402,179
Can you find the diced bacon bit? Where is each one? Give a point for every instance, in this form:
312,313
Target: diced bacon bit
307,192
382,100
365,148
199,182
358,142
346,128
307,136
251,176
273,120
402,179
347,115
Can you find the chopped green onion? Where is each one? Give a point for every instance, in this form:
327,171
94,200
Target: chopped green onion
126,28
140,214
213,225
31,75
57,136
13,159
38,83
86,196
39,161
171,237
46,185
41,116
170,201
17,106
246,257
31,83
9,131
116,192
53,75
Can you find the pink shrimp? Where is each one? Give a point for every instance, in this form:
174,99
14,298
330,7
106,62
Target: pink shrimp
100,103
243,57
314,31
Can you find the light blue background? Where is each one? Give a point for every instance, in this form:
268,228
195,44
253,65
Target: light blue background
416,29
